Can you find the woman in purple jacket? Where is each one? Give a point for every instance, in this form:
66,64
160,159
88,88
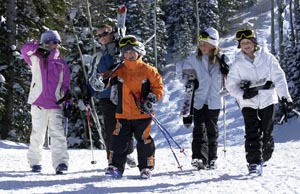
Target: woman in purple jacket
50,83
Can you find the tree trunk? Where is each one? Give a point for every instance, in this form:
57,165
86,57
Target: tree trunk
292,24
11,37
280,26
272,28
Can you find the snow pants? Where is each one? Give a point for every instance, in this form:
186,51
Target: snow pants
108,110
121,141
53,120
259,141
205,134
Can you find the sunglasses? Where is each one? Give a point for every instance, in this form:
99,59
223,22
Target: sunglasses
103,34
205,36
246,33
128,40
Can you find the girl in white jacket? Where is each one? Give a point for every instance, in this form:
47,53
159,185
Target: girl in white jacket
251,65
210,74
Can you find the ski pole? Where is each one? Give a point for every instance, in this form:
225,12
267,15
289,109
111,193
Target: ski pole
66,119
163,129
224,124
224,92
165,135
88,116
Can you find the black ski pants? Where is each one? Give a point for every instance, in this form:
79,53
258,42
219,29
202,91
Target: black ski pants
108,110
259,141
140,128
205,134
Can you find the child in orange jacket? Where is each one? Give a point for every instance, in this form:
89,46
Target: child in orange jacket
136,86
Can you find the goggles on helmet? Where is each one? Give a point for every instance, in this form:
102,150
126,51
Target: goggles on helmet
205,36
128,40
246,33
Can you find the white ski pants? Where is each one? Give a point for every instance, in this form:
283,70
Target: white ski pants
53,119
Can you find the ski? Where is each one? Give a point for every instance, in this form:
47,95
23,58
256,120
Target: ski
189,77
262,84
121,19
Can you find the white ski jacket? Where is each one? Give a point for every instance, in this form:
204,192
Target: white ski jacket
264,66
210,83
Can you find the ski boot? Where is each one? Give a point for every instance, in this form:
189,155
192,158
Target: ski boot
36,168
198,164
60,168
113,172
145,173
255,169
212,165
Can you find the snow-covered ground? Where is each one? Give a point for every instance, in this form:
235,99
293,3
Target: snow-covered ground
281,176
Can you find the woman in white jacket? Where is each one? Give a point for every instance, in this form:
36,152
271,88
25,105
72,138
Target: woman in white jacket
251,65
207,103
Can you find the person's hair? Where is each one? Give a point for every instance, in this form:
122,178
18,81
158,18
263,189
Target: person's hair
109,27
212,57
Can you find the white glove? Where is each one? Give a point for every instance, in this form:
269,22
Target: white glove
96,82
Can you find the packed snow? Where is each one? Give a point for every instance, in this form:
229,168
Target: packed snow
280,176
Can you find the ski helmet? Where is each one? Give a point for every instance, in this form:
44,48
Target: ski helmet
131,43
50,36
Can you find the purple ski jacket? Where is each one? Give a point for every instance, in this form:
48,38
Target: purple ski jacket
50,77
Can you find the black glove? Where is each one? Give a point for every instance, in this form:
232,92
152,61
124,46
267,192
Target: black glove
67,97
245,84
248,94
44,52
287,106
147,106
152,97
224,68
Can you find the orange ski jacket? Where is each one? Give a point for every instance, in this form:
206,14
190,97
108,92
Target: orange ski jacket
135,78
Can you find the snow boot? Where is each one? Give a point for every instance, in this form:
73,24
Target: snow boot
198,164
255,169
113,172
145,173
212,165
60,168
36,168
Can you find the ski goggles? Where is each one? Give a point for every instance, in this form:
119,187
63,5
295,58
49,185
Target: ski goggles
246,33
205,36
128,40
103,34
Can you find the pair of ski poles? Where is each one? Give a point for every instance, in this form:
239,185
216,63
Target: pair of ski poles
168,137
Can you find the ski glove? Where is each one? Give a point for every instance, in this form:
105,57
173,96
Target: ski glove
245,84
147,106
152,97
287,106
67,97
96,82
224,68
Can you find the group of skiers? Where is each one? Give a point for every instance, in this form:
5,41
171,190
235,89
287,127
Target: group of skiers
127,93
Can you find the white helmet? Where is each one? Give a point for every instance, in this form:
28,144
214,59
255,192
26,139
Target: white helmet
50,36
